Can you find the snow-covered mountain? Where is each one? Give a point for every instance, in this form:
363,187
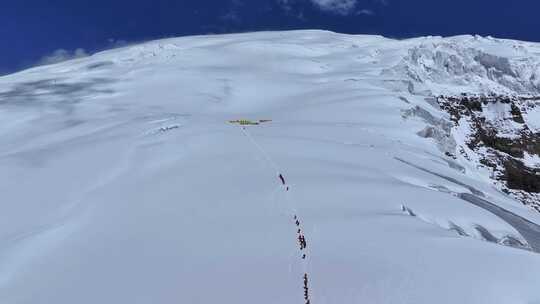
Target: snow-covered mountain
276,167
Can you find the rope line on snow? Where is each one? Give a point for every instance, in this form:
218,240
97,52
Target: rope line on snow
263,152
299,231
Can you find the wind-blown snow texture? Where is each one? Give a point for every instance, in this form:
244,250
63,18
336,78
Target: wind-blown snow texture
122,181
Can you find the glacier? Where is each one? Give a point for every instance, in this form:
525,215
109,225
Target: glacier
122,179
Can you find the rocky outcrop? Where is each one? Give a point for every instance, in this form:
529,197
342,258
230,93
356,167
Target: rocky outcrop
497,136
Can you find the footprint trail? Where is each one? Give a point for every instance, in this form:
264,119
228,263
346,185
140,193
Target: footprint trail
300,232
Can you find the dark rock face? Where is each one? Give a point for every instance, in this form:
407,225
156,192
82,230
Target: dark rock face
516,114
520,177
501,140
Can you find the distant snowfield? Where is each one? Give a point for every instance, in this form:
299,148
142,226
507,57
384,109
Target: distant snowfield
122,181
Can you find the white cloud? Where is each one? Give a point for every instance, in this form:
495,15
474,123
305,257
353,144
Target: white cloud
341,7
63,55
367,12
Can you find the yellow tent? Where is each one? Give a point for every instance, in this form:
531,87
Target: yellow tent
247,122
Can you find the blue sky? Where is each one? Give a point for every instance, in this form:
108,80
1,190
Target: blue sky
40,31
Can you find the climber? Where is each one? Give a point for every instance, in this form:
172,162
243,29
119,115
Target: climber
303,243
282,179
300,242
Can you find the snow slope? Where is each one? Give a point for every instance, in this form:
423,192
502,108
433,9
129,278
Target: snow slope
123,182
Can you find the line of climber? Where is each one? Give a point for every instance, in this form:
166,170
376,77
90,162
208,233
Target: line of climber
306,289
301,238
302,241
244,124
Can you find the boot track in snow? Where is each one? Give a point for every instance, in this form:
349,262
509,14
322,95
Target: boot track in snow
300,236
